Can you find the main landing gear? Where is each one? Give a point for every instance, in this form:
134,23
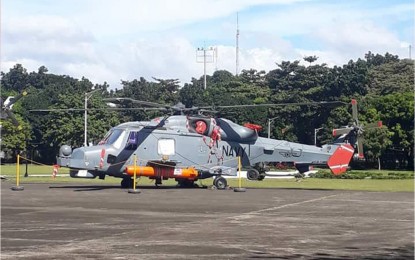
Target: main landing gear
253,174
184,183
126,183
220,183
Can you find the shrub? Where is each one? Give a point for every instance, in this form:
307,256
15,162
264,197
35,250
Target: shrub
326,174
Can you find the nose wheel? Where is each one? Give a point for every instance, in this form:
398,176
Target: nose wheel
220,183
126,183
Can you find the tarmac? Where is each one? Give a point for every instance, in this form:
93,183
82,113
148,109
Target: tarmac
72,221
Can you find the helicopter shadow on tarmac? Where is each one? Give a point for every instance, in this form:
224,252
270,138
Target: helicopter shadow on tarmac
80,188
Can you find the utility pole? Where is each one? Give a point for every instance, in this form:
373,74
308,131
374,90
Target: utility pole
270,120
88,95
237,45
410,49
315,134
207,56
216,58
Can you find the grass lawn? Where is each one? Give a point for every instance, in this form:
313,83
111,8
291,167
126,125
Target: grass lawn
407,185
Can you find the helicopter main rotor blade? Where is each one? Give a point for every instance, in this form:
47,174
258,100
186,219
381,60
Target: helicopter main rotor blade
374,125
95,109
341,131
9,102
354,111
282,104
11,116
133,101
6,108
58,110
360,141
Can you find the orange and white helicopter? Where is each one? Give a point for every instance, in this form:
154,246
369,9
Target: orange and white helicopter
189,147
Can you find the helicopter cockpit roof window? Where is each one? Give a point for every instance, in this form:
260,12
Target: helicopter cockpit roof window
113,137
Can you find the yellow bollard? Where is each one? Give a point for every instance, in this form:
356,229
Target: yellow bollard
239,171
18,170
17,187
239,189
134,190
135,170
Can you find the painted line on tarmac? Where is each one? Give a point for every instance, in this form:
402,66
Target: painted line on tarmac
292,204
255,212
376,201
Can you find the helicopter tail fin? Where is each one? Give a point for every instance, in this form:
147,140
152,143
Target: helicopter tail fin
340,159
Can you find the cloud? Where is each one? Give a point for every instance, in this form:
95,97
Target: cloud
110,41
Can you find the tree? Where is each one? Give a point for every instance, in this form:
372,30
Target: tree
191,95
377,140
254,77
391,77
15,80
311,59
397,113
13,138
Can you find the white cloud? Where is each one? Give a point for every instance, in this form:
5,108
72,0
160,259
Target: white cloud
113,40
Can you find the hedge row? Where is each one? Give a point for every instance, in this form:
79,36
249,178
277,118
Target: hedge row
324,174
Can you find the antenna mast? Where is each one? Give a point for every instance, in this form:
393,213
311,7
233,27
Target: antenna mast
237,44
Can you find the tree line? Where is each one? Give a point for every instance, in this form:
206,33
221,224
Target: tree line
382,85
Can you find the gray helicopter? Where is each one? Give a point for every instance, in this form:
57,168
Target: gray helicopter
188,148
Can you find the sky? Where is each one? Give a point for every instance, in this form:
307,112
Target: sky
114,40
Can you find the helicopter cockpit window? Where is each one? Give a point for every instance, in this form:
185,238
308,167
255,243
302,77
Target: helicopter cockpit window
112,137
132,141
166,147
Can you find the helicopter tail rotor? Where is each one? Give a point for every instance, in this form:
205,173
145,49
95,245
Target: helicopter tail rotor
353,134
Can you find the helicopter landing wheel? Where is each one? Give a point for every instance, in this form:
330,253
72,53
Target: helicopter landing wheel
252,174
126,183
185,183
158,182
220,183
261,177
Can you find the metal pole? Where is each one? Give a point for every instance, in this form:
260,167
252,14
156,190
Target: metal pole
237,45
86,114
269,125
315,134
203,51
26,174
86,120
134,190
135,170
18,171
239,171
17,187
26,155
204,68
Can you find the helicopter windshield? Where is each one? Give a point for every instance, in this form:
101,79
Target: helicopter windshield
111,137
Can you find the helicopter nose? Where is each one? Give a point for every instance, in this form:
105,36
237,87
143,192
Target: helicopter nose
72,159
65,150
